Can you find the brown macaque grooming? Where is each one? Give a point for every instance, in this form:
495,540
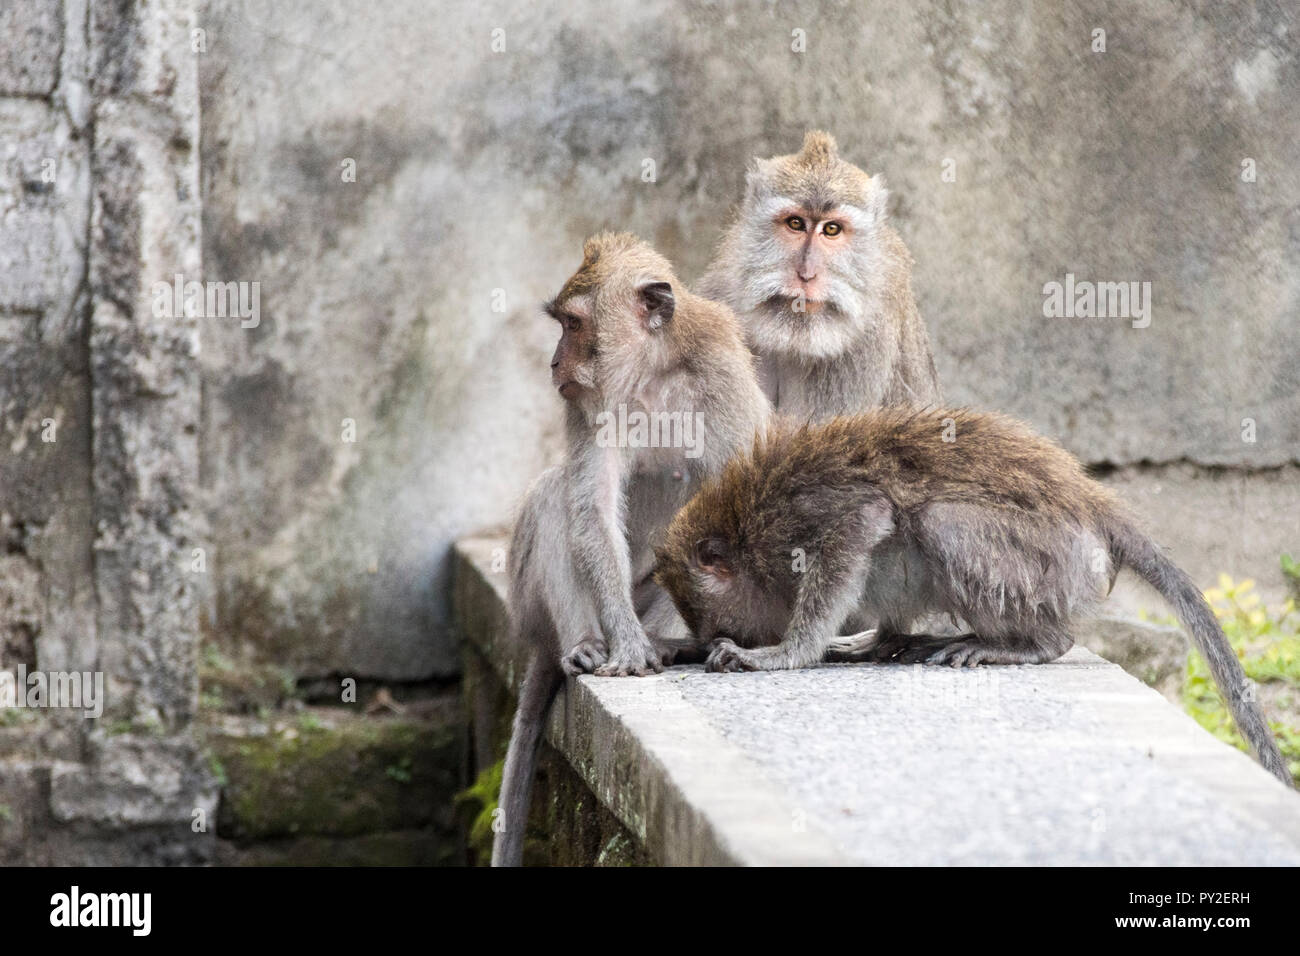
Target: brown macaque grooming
659,392
823,286
996,525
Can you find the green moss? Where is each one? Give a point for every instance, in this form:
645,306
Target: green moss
401,771
567,823
620,850
335,780
574,828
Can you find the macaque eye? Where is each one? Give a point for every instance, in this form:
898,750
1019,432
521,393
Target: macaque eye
832,229
795,223
572,323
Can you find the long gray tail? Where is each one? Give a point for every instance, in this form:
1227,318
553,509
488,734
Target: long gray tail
541,684
1137,551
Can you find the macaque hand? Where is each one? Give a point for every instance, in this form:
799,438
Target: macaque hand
633,658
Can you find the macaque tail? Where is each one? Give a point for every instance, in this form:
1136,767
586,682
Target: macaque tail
541,684
1135,550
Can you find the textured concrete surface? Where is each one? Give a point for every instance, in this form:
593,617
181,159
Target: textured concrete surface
479,170
47,601
144,366
33,33
99,416
1069,763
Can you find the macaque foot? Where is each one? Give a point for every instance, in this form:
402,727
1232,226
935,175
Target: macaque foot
963,651
969,650
960,650
640,660
585,657
727,657
888,645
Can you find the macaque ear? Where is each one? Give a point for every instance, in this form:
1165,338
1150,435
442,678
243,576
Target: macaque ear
756,178
713,555
878,201
656,304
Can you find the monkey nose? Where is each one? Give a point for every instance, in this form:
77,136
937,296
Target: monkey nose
807,275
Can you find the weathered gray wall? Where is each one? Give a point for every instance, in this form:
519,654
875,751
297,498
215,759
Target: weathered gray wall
99,413
479,171
46,587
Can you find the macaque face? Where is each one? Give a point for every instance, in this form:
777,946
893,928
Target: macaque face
717,598
814,246
807,253
573,366
807,261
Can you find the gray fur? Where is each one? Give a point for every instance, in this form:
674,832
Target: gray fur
868,346
1001,528
581,558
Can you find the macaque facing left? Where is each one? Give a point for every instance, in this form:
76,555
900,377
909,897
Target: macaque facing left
999,527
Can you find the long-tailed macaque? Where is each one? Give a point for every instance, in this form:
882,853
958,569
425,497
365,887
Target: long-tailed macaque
822,284
904,512
660,392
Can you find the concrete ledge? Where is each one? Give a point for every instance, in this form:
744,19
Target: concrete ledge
1068,763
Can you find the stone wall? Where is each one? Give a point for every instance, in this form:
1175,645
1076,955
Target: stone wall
479,171
100,396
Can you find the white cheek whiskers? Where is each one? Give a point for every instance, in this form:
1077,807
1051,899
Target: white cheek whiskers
641,376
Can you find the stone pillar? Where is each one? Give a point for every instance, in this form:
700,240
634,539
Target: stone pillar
100,526
144,229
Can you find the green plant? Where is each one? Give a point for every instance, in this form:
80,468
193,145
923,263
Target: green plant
213,658
483,792
1291,571
218,770
400,771
1268,643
